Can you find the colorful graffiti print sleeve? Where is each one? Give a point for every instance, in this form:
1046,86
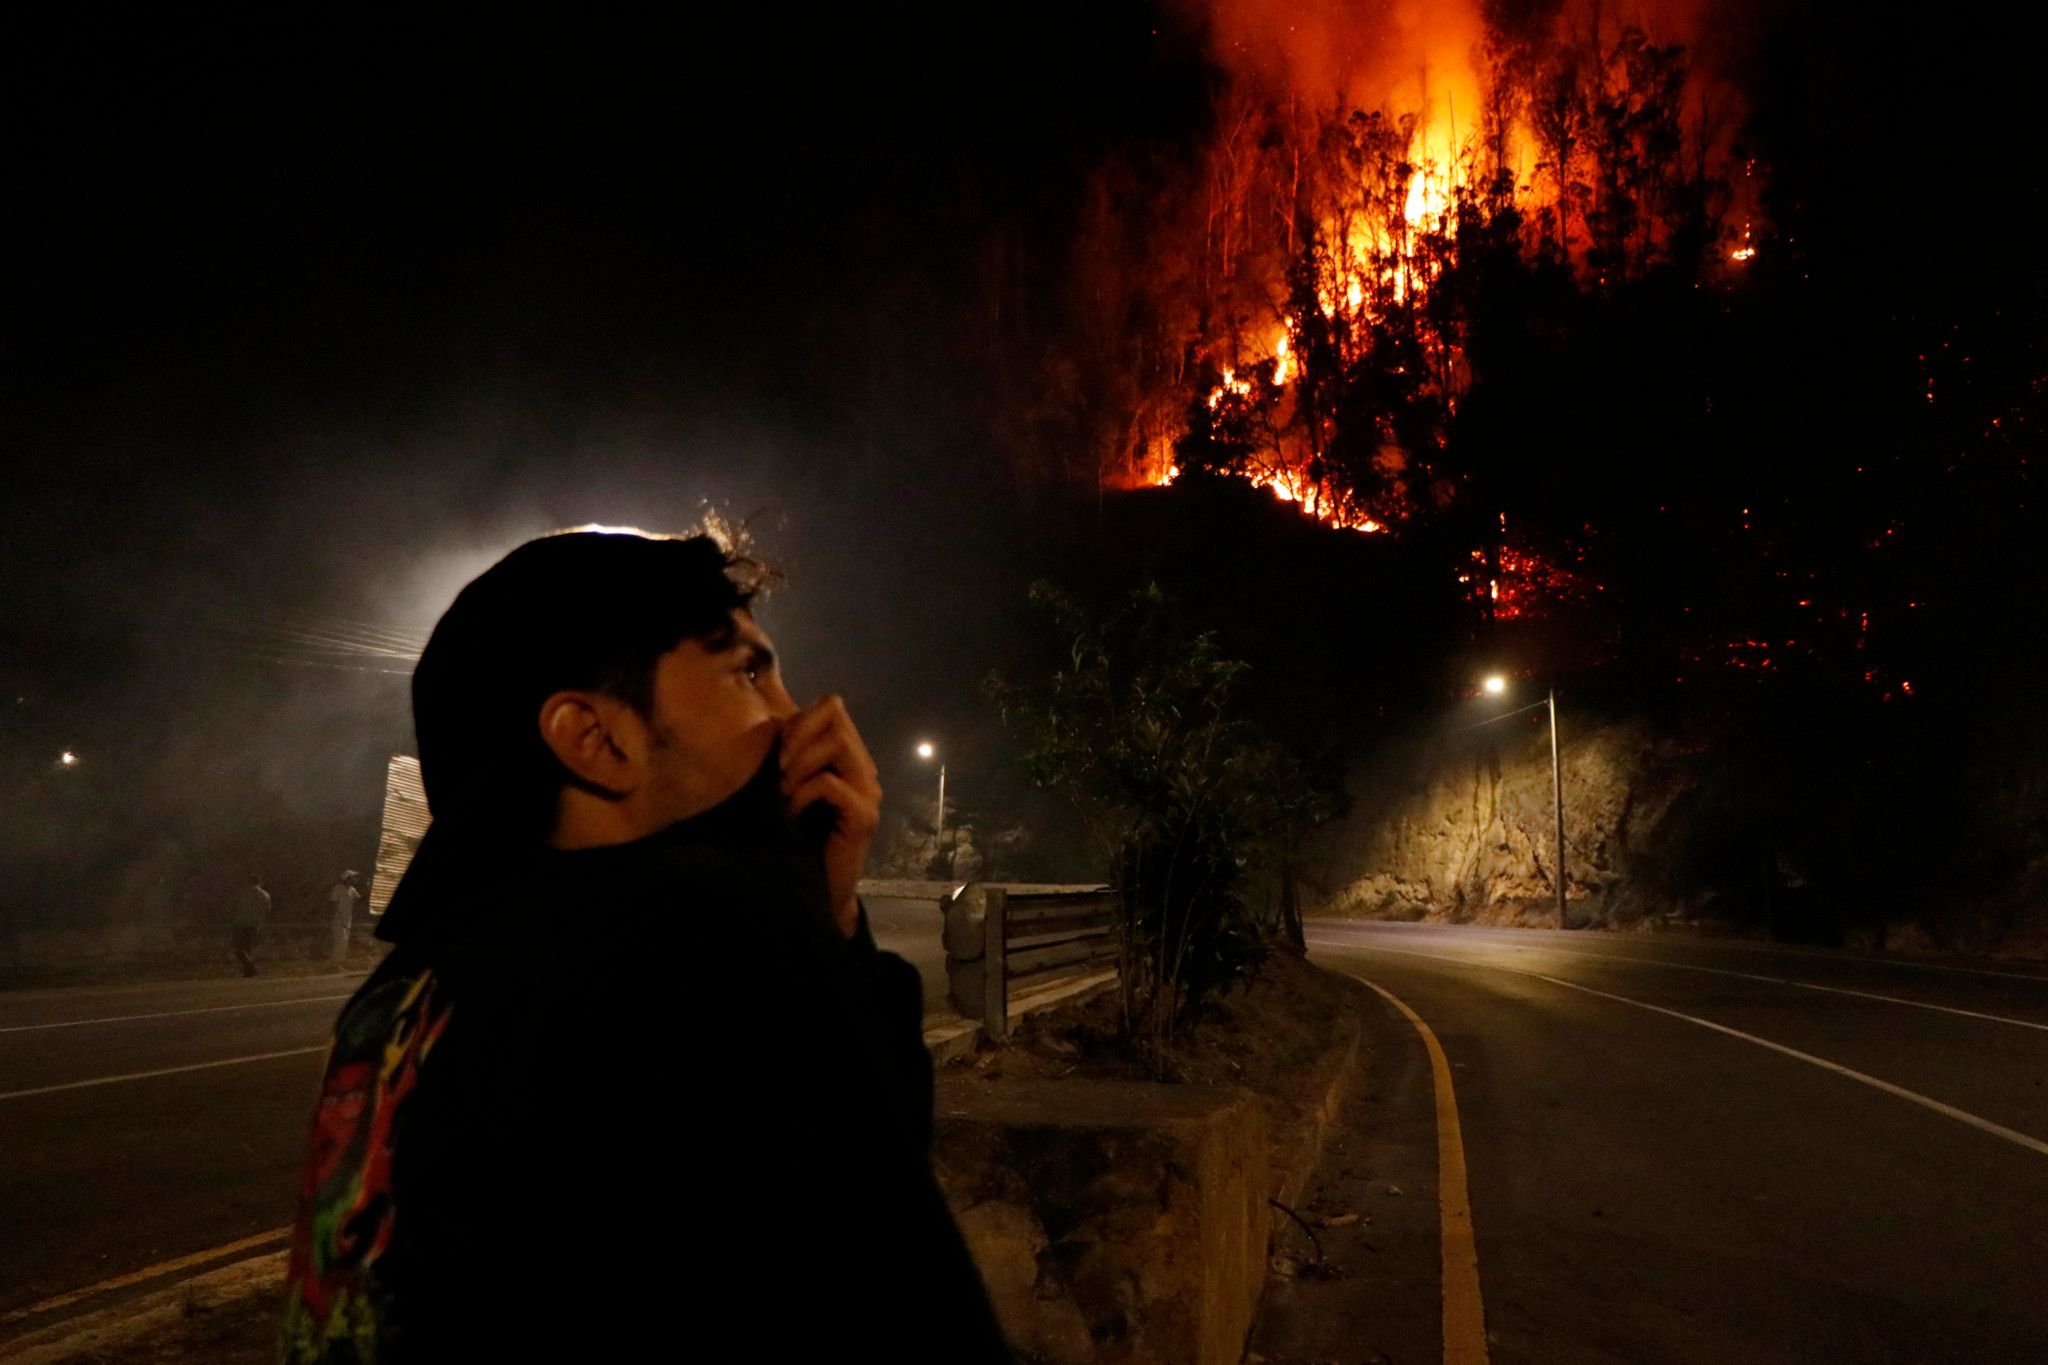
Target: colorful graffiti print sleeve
335,1305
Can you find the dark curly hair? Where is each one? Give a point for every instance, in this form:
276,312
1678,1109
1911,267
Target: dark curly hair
578,609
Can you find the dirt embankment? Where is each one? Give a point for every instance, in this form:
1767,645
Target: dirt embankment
1266,1038
1122,1219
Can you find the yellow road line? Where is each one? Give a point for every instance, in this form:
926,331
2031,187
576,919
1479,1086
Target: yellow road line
148,1272
1464,1310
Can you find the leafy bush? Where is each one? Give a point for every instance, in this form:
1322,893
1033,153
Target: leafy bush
1136,725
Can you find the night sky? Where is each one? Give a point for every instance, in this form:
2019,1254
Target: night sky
320,316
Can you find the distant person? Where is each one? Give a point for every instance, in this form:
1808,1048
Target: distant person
341,916
635,1082
246,917
966,857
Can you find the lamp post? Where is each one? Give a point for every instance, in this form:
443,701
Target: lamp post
1557,805
926,751
1497,686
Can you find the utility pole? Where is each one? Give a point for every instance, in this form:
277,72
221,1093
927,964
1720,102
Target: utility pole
1497,686
1557,800
929,751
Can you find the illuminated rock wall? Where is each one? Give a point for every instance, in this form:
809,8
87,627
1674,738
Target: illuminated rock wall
1466,832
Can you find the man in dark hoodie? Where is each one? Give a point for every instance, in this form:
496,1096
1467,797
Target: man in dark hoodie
634,1081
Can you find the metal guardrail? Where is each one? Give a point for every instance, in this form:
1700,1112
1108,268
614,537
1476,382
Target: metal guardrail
1002,940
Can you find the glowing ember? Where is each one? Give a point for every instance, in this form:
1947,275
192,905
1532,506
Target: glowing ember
1529,585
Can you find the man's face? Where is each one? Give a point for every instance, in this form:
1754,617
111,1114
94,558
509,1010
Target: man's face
717,711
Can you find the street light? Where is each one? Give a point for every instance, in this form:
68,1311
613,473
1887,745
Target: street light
927,751
67,759
1496,686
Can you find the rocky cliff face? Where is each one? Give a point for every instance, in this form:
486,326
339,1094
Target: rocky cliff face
1753,831
1467,832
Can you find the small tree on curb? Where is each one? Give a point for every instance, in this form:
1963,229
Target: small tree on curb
1136,726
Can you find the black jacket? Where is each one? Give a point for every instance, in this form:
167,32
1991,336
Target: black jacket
634,1102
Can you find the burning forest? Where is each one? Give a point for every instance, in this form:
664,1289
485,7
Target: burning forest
1348,222
1508,284
1418,245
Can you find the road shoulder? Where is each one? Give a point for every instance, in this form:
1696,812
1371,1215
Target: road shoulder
1361,1281
226,1316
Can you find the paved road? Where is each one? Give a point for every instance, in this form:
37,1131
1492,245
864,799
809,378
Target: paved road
108,1168
1692,1151
911,928
1850,1166
144,1124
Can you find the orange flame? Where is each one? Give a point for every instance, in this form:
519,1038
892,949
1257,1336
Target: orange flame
1434,130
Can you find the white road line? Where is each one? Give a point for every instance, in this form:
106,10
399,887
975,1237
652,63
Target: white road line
1830,955
1983,1125
1410,952
171,1014
1753,976
32,993
161,1071
1724,944
2012,1135
1814,986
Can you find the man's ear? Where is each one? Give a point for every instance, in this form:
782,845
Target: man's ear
591,735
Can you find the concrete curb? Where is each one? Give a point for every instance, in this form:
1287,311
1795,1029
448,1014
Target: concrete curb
1129,1219
949,1041
160,1314
1339,1066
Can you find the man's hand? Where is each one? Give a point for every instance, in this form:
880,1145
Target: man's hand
823,759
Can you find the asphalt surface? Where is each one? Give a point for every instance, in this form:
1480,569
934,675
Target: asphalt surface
911,929
1643,1187
146,1124
109,1169
1647,1188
